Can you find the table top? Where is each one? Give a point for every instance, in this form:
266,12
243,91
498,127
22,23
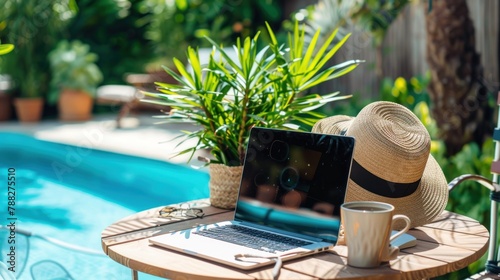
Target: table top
448,244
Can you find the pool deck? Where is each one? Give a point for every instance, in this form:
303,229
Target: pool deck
140,135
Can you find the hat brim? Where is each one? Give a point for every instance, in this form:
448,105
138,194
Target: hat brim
333,125
422,206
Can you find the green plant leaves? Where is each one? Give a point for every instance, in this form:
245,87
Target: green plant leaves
6,48
73,67
249,86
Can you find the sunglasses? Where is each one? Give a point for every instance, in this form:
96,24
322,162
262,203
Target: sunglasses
184,210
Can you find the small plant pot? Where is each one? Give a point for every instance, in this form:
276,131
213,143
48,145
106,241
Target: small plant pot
75,105
224,185
29,109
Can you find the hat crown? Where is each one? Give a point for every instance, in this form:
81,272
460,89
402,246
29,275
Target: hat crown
391,142
392,161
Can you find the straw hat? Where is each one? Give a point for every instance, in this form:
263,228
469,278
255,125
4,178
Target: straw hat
392,161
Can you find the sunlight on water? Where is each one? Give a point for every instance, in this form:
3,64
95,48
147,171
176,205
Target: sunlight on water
60,221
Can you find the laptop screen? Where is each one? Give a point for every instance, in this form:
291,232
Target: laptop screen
295,181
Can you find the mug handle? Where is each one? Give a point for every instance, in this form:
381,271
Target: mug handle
404,230
393,251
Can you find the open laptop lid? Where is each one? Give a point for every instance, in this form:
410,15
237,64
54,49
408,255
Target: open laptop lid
295,181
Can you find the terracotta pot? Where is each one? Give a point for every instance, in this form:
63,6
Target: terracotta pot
29,109
5,107
75,105
224,185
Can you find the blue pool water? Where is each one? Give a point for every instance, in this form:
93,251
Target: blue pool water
68,195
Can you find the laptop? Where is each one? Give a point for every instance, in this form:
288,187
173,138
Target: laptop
291,189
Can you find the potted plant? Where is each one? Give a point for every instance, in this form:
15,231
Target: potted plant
265,87
75,78
33,27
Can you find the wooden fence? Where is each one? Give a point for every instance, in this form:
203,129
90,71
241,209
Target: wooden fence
404,49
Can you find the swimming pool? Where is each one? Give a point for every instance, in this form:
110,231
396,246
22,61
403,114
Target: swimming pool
68,194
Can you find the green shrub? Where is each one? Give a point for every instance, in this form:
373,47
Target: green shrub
115,31
33,27
73,67
175,25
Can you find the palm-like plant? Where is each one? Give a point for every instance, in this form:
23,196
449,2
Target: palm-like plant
259,87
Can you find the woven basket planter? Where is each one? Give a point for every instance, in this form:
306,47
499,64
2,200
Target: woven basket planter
224,185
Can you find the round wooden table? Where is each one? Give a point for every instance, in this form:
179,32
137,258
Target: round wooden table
448,244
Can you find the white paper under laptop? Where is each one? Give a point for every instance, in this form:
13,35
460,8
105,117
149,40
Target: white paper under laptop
292,186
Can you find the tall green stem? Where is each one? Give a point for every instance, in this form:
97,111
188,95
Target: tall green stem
213,128
243,128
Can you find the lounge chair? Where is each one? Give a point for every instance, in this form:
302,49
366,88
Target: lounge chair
123,96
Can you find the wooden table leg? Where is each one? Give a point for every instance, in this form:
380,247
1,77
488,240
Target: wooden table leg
135,275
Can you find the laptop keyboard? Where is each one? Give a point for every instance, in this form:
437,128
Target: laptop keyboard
253,238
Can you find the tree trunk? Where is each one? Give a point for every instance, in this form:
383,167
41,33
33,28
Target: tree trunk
459,99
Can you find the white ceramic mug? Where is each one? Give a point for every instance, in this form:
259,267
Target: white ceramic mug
367,228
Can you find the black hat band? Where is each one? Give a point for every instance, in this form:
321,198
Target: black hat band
379,186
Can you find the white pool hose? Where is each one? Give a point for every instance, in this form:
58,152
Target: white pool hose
57,242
